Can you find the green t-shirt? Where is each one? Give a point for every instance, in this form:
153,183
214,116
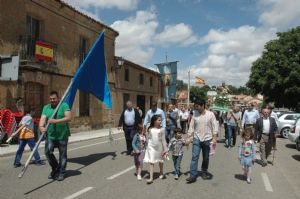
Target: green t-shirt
59,131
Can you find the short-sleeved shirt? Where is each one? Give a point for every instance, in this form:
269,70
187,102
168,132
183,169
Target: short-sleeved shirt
27,131
59,131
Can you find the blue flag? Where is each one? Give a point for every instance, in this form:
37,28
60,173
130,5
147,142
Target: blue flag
91,76
168,71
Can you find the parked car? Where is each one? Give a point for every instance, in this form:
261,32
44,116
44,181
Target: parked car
280,113
294,135
286,121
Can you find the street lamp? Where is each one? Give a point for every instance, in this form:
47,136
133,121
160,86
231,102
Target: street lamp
120,63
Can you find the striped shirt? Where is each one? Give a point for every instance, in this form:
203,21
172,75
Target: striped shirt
203,126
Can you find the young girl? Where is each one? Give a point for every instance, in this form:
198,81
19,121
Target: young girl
139,146
26,137
247,153
156,147
176,146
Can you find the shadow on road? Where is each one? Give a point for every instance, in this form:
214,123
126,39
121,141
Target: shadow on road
240,177
296,157
85,161
291,146
92,158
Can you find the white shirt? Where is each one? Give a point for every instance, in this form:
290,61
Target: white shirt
129,117
184,115
266,126
274,115
203,126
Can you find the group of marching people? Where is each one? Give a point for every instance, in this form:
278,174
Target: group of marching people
158,136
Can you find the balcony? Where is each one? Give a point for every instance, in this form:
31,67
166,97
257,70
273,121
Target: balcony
38,54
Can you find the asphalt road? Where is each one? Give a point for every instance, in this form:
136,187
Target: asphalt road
98,169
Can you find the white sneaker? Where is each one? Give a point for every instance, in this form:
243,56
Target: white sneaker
249,180
162,176
139,177
176,177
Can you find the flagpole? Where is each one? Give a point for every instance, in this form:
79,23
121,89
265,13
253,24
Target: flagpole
43,134
188,101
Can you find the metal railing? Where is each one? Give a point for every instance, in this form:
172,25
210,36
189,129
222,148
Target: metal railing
28,45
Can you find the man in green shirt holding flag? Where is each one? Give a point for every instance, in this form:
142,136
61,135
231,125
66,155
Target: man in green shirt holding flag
57,135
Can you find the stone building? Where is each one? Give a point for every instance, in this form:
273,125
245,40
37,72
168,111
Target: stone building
52,39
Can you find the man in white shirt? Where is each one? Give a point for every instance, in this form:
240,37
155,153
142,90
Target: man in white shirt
184,116
265,130
203,130
129,119
273,115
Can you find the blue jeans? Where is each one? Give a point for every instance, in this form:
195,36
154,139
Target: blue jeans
197,147
49,152
170,132
22,144
231,134
177,162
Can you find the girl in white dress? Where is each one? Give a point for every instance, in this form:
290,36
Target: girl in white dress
157,147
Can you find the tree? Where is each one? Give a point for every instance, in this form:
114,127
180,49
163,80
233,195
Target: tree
197,93
181,85
276,74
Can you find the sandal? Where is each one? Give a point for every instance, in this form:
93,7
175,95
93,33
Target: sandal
149,181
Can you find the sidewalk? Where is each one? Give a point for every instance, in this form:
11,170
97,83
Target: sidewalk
6,149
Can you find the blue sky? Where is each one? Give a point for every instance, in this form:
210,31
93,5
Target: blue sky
216,39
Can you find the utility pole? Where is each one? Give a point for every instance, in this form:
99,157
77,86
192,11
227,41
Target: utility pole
188,100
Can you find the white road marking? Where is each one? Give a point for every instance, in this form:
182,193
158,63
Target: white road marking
120,173
74,195
267,183
86,146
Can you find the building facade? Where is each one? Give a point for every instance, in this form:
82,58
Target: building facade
140,85
51,39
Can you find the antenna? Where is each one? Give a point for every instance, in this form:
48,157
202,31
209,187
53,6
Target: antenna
166,56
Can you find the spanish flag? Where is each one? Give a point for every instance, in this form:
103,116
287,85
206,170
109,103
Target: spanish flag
199,80
43,51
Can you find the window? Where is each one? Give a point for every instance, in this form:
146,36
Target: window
127,74
33,27
82,49
151,100
151,81
84,104
84,98
289,117
142,79
126,98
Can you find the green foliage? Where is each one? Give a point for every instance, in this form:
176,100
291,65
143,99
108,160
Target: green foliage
197,93
240,90
221,101
181,85
276,74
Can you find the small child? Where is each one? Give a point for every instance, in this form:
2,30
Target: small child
247,153
156,147
26,137
139,146
176,146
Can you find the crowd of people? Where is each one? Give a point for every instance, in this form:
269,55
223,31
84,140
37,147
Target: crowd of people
163,133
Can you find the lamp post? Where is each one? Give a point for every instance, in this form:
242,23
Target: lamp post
120,63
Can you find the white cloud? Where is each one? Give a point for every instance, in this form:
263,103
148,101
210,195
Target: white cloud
176,34
121,5
281,13
136,36
231,53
